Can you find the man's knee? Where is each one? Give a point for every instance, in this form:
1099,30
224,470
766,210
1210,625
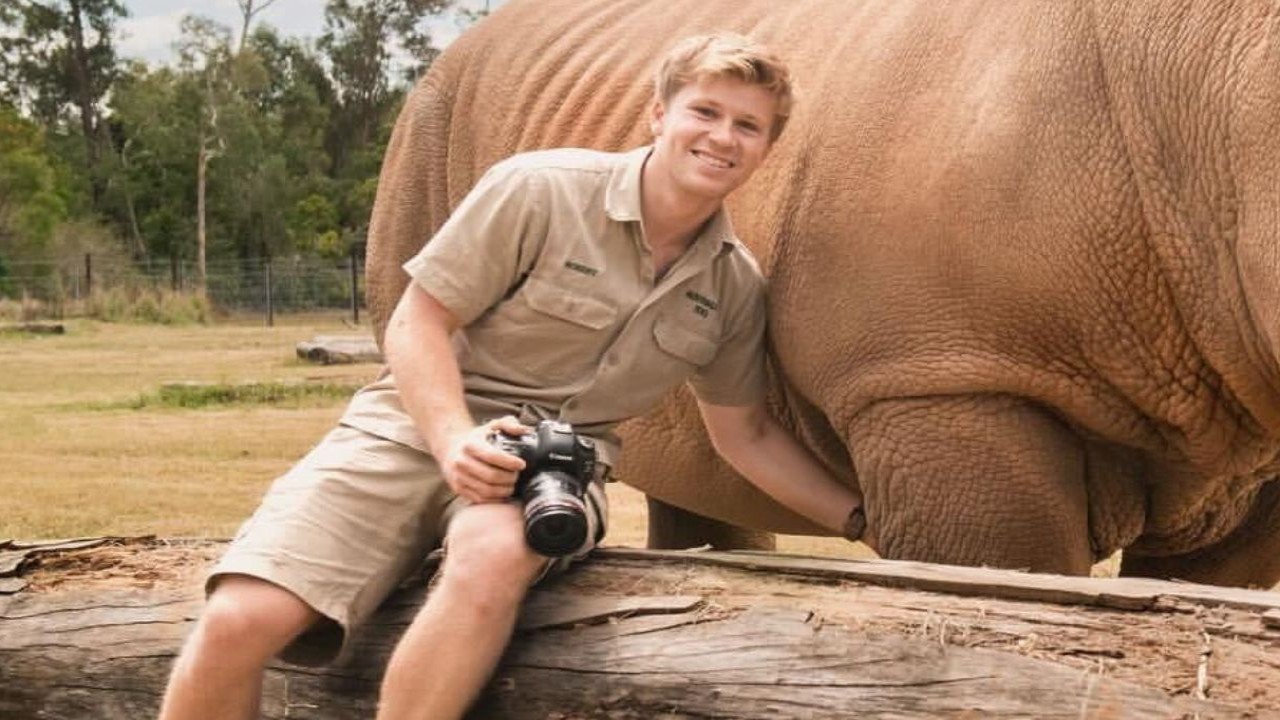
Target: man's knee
250,619
487,556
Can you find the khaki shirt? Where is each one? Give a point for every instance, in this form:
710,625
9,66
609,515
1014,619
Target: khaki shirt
545,266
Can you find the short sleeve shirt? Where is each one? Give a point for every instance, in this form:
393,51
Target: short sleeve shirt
545,266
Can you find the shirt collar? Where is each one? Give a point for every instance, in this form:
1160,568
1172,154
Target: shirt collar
622,201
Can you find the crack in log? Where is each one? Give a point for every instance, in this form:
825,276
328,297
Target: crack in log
96,607
650,631
1093,652
150,656
99,626
112,689
684,672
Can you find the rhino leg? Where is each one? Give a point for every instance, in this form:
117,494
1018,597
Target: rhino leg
671,528
973,480
1248,557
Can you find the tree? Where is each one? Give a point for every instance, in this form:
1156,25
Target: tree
157,115
271,103
205,54
358,41
248,9
243,147
278,155
475,13
31,205
59,64
294,102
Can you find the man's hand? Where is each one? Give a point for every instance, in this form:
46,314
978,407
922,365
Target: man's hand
426,373
478,471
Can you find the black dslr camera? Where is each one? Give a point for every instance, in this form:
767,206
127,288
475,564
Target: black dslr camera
558,464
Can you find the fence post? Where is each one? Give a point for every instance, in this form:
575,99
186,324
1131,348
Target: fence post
173,272
355,288
88,274
271,308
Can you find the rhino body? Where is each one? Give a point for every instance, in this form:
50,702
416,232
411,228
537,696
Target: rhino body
1023,259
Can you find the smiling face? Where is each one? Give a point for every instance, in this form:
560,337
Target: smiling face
711,136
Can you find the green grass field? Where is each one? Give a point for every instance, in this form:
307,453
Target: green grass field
97,437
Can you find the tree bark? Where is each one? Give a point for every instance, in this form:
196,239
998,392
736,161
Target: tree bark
84,99
202,165
249,8
139,243
789,638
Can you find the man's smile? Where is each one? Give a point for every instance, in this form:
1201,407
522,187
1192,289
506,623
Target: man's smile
713,160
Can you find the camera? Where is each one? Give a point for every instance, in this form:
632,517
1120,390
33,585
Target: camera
558,464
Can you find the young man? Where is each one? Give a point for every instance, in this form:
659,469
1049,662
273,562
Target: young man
569,284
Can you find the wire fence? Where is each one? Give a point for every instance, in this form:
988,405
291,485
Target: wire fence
249,285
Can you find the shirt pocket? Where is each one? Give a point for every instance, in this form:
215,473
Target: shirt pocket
545,336
684,343
582,310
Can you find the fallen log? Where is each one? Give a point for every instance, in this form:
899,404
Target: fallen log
33,328
643,634
339,350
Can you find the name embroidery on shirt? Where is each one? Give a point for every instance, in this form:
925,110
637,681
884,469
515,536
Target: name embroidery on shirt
702,305
579,267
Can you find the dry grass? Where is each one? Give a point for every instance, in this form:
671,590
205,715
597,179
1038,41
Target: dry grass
72,468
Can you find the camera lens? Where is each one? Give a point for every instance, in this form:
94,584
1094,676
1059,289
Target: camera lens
555,519
557,532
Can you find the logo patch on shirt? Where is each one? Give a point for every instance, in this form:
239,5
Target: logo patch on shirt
579,267
702,305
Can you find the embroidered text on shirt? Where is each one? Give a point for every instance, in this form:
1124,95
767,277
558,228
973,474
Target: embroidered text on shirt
703,305
579,267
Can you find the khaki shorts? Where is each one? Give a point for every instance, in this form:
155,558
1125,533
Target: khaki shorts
347,524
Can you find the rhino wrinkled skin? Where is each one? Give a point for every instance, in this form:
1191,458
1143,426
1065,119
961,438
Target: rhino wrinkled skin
1023,258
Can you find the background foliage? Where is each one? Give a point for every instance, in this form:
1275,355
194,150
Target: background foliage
242,149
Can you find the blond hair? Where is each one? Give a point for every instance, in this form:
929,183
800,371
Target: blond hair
725,54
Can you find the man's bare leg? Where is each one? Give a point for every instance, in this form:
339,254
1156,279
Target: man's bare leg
453,645
245,623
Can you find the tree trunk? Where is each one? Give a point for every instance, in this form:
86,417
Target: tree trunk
135,232
748,636
202,165
83,94
249,8
246,17
138,244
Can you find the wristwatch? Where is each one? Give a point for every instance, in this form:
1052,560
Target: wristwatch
855,524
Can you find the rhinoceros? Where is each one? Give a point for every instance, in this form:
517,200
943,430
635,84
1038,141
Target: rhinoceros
1024,259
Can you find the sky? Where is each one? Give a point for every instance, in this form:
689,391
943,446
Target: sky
149,32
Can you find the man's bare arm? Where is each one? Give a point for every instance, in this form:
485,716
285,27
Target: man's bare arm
771,458
426,373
